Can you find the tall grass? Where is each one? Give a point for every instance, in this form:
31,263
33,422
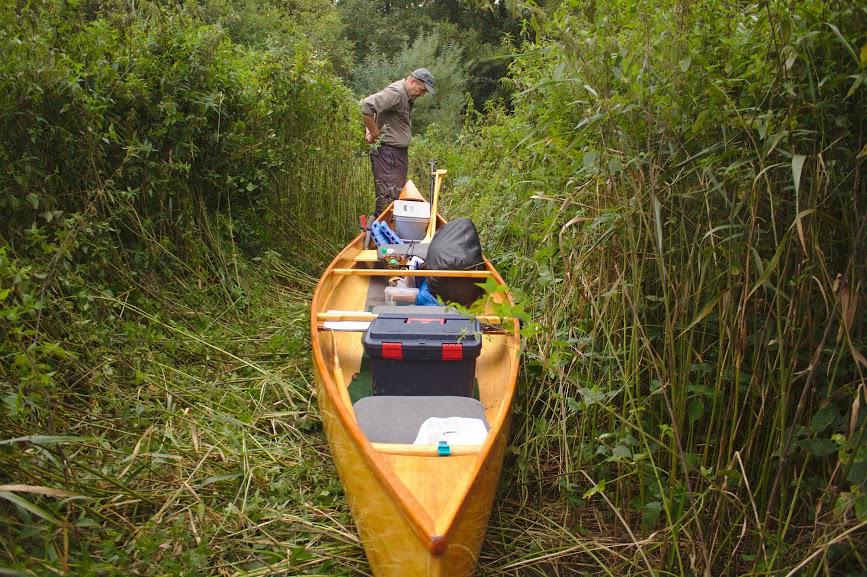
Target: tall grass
683,206
678,202
157,413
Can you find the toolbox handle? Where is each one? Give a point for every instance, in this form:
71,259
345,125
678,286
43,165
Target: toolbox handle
425,320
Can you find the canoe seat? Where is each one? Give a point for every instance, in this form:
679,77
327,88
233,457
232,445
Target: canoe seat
394,419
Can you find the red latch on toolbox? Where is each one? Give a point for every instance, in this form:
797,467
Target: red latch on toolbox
453,351
392,351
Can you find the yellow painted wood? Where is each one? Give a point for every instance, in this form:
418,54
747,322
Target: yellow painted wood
339,379
368,255
418,471
424,450
364,316
435,204
407,272
417,515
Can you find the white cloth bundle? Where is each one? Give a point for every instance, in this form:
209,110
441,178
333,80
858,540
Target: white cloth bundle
453,430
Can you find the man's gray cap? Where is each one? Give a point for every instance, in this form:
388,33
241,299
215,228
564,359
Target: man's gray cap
425,76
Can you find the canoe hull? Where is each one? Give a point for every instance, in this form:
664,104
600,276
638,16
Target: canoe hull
417,515
393,549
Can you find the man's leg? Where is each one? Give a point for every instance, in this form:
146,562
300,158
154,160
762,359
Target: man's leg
389,166
377,164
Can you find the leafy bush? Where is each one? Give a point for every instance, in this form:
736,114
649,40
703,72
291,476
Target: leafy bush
151,168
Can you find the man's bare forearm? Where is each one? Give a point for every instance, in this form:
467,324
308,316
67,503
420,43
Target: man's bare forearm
372,134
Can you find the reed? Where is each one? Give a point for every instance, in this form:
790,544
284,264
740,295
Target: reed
687,235
693,397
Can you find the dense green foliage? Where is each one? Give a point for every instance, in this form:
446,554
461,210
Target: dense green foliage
679,193
467,46
446,108
157,178
674,189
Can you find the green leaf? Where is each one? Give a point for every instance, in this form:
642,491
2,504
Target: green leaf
822,419
43,440
217,478
703,313
598,488
857,474
861,507
650,514
300,554
819,447
31,507
797,167
843,40
591,396
703,390
620,453
732,474
768,268
33,200
695,409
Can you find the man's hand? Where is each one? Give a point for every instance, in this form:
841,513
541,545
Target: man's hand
371,130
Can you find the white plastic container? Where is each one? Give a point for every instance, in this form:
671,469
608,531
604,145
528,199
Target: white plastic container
411,219
400,295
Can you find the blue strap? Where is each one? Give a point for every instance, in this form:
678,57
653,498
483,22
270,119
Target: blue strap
443,449
424,297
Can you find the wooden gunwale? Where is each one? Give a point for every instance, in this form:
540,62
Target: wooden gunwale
426,273
433,534
418,519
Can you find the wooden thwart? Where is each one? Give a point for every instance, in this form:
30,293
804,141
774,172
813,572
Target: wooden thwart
424,450
408,272
363,316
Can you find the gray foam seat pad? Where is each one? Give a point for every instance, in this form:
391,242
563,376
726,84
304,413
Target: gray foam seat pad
394,419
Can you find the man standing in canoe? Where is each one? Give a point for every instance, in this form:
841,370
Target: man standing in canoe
387,118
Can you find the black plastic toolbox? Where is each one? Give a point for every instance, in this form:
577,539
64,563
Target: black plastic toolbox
419,353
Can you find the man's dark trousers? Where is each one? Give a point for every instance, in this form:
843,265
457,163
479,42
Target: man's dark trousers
389,165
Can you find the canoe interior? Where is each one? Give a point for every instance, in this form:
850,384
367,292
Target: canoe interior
443,502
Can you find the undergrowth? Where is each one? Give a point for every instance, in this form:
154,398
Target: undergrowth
675,194
182,440
678,193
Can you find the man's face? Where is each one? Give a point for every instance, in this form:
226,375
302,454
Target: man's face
416,88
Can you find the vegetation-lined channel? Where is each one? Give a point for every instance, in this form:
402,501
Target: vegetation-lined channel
675,190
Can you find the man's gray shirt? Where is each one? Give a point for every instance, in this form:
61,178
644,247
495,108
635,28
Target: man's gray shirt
392,108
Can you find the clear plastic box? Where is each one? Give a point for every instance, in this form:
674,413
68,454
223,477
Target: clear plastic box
400,295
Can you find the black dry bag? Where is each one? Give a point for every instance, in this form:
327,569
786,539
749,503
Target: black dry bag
455,246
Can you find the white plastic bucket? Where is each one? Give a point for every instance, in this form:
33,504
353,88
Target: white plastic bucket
411,219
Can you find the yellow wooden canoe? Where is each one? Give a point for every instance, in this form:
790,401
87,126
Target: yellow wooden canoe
418,514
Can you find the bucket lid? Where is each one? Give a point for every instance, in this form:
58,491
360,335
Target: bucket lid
411,209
